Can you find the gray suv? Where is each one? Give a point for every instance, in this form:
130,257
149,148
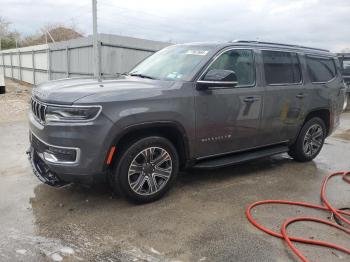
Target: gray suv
200,105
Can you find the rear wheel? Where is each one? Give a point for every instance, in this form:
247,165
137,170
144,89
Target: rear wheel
147,169
310,140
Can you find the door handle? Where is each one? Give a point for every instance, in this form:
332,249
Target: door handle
300,95
250,99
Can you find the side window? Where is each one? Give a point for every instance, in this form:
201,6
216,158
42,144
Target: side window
346,66
281,67
239,61
321,69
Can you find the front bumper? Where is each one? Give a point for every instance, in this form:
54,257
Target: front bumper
89,144
42,171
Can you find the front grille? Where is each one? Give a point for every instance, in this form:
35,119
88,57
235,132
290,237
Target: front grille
38,110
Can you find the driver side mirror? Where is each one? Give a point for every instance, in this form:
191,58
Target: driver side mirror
217,78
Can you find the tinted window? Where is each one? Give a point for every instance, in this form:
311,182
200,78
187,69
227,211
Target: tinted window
239,61
281,67
346,66
320,69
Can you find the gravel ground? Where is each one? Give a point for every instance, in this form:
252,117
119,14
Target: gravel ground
14,103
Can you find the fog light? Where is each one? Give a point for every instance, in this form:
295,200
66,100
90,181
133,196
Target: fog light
50,157
57,154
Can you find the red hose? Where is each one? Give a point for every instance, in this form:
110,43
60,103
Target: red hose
328,207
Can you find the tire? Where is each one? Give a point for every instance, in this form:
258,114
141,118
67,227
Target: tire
144,180
310,140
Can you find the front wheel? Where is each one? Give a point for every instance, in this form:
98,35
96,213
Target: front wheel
147,169
310,140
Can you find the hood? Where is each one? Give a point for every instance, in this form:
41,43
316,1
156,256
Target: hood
67,91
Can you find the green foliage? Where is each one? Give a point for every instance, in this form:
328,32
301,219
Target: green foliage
8,43
8,37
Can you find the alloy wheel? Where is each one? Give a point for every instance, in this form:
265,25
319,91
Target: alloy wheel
150,171
313,140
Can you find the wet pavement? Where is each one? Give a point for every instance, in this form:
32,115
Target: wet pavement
200,219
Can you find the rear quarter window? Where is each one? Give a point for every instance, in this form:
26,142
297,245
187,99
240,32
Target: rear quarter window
320,69
346,66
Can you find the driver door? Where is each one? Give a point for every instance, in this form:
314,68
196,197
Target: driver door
228,118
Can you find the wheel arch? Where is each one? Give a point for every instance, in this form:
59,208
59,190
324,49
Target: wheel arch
323,113
170,130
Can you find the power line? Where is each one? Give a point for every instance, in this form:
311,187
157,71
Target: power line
142,23
127,23
149,16
109,5
168,27
139,30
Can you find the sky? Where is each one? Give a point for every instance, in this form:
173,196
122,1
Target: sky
318,23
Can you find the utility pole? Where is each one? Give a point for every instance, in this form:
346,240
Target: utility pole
95,43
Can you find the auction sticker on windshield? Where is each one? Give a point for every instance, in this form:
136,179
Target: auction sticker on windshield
197,52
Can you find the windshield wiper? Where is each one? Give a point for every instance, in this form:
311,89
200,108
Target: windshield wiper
142,76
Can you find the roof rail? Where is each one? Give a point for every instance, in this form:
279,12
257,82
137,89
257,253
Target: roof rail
278,44
343,54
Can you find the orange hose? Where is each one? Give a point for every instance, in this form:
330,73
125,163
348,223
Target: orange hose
328,207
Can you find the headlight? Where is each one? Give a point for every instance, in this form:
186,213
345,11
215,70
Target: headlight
71,114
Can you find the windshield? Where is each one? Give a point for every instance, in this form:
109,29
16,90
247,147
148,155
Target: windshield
172,63
346,66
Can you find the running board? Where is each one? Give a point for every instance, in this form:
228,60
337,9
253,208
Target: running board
237,158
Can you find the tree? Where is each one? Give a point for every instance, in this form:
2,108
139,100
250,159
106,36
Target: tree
48,33
345,50
7,37
4,26
51,33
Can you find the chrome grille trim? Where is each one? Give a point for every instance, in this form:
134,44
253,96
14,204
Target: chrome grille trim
38,110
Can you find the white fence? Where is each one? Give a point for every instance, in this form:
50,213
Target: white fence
37,64
28,64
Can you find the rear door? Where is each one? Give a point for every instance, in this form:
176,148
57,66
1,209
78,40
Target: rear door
325,87
228,119
283,108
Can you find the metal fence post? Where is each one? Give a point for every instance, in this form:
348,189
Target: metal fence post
11,65
19,65
3,64
48,63
33,64
95,39
100,73
67,61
